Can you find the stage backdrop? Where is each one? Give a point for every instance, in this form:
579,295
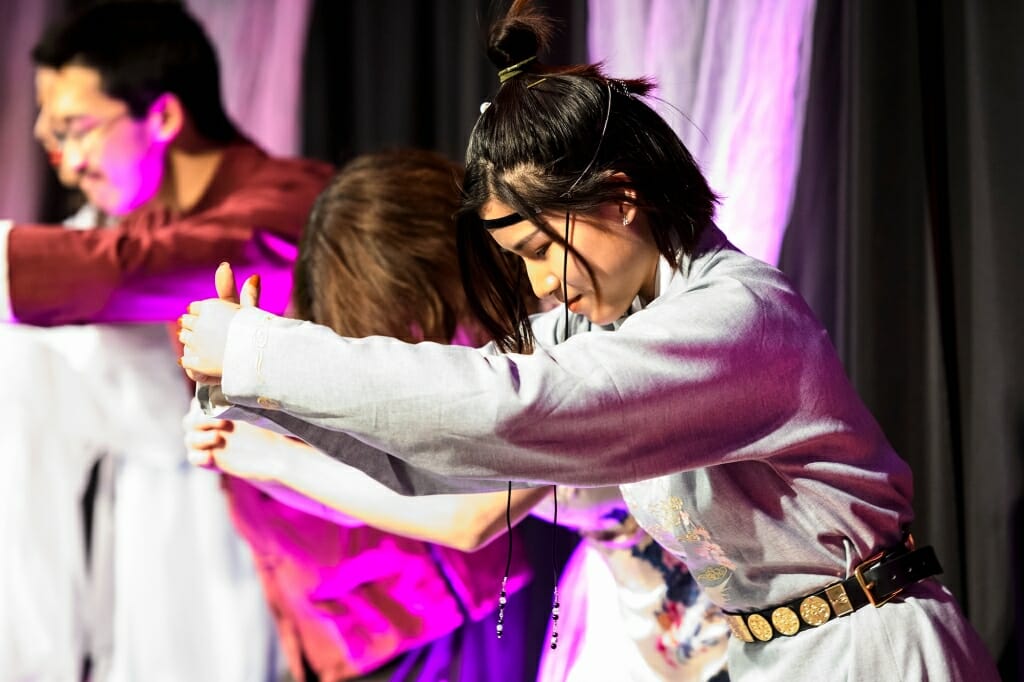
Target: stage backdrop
22,170
907,239
903,222
732,81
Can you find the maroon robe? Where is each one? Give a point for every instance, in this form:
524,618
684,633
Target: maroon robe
155,261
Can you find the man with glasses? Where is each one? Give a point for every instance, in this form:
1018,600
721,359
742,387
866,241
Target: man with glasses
130,107
137,114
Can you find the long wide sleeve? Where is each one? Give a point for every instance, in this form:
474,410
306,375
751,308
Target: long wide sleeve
153,263
721,368
391,471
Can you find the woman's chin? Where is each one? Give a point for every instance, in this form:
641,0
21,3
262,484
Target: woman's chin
595,311
602,317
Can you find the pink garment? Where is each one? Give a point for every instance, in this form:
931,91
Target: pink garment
353,598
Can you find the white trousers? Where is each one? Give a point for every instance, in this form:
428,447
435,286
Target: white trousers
169,592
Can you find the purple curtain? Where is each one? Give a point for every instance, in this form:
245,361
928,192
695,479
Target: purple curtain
21,172
260,44
732,79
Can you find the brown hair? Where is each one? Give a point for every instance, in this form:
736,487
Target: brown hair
378,253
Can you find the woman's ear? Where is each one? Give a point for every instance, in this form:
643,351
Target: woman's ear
166,117
627,210
627,206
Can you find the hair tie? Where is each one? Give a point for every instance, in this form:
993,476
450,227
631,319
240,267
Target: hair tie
514,70
620,87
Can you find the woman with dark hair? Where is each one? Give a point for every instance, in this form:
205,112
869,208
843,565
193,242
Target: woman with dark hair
378,256
689,373
359,593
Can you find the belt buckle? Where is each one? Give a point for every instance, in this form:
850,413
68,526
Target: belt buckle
866,586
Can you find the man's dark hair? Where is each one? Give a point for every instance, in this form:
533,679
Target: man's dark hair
141,51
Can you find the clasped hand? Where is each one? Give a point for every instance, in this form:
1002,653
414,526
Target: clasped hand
204,328
235,448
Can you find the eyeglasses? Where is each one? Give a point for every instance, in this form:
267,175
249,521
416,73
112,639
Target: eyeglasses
84,129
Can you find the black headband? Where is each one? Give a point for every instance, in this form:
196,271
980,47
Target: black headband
504,221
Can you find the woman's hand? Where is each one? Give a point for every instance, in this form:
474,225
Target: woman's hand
204,334
204,328
236,448
257,455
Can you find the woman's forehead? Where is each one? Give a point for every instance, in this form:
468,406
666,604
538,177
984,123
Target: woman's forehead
494,208
514,237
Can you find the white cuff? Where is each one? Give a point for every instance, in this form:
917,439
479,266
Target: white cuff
243,373
6,308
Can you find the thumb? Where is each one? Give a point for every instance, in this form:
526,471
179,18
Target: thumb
251,292
225,283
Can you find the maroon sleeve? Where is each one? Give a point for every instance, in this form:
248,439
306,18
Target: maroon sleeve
151,266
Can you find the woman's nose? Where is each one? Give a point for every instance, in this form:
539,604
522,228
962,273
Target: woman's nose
544,284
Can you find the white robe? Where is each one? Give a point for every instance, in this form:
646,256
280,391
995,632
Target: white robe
720,405
169,592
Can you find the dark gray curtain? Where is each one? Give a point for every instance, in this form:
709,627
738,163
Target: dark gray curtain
906,239
388,73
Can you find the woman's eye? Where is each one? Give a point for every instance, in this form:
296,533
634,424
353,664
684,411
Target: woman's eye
542,251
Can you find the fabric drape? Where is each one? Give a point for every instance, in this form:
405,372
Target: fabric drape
389,73
732,81
906,239
260,44
22,172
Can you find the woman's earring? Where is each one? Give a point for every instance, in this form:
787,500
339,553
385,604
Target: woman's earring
625,215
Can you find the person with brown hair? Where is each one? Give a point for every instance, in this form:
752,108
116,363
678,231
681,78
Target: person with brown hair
355,589
377,256
677,367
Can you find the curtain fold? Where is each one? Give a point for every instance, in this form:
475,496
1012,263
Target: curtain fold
260,44
390,73
732,81
906,239
22,174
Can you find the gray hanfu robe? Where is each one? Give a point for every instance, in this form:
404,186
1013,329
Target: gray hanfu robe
720,407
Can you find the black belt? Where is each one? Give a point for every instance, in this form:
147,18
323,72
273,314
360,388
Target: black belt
874,582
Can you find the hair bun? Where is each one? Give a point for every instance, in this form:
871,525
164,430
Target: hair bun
522,33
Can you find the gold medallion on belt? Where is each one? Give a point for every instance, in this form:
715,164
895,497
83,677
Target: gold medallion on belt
814,610
785,621
760,627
